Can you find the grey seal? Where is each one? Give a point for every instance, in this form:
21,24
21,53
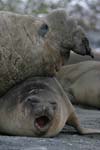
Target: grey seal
81,81
38,107
37,46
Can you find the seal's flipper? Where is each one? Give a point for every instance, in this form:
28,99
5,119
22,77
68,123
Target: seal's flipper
74,121
84,131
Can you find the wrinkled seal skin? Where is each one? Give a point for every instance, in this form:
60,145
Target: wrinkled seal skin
36,46
81,81
38,107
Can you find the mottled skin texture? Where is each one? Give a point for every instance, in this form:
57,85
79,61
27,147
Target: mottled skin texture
23,107
81,81
36,46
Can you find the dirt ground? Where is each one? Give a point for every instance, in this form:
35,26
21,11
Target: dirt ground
68,139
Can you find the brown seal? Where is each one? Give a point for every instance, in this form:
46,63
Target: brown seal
81,81
37,46
38,107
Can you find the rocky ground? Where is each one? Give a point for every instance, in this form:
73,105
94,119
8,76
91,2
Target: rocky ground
67,140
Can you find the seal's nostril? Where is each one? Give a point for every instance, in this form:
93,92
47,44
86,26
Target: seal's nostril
86,44
44,108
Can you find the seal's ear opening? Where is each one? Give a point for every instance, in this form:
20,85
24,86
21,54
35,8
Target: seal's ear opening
43,30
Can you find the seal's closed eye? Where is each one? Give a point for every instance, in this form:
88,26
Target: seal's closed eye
33,99
43,30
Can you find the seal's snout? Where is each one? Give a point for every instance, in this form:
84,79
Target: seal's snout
89,52
43,117
41,111
42,124
87,47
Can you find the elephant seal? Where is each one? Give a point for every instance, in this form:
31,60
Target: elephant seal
38,107
81,81
37,46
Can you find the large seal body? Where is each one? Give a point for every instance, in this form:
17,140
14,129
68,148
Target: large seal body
81,82
36,46
38,107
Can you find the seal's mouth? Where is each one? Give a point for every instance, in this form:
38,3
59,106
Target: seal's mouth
42,122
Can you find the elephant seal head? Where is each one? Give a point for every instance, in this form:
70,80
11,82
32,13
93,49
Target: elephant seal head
61,31
40,107
37,46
